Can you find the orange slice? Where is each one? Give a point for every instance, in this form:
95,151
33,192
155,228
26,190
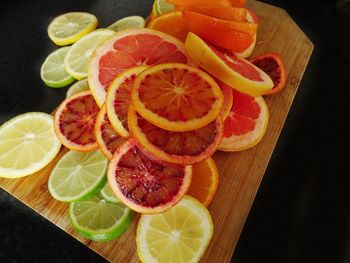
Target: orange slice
176,97
209,3
227,13
107,139
176,147
74,122
205,179
246,124
236,72
118,99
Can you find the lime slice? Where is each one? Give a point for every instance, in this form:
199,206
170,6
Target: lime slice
181,234
108,195
163,7
79,86
99,220
68,28
27,144
127,23
52,71
78,176
76,61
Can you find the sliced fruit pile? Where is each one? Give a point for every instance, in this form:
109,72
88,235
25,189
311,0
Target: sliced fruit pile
151,106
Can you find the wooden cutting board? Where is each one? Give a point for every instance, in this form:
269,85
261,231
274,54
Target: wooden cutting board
240,173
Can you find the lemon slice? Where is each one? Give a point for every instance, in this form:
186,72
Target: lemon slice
100,220
108,194
163,7
78,176
68,28
181,234
76,61
52,71
27,144
79,86
127,23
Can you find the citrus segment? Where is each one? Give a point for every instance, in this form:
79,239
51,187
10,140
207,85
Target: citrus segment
176,97
176,147
128,22
78,176
181,234
107,138
100,220
52,71
246,124
145,184
108,195
228,99
205,179
79,86
127,49
68,28
236,72
27,144
118,99
76,61
74,122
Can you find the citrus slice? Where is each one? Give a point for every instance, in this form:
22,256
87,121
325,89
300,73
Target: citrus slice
205,179
246,124
228,99
100,220
227,13
27,144
272,64
162,7
106,137
52,71
176,97
172,24
128,23
78,176
79,86
236,72
118,99
127,49
145,184
205,3
176,147
181,234
68,28
76,61
74,122
108,195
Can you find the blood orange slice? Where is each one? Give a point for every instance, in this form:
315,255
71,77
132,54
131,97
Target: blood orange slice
236,72
106,137
176,147
176,97
74,122
246,124
144,184
127,49
118,99
273,65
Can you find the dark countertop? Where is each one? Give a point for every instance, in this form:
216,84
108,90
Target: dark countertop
301,212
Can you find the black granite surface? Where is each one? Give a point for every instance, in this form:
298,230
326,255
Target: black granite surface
301,212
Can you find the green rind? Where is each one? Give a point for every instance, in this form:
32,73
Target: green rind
59,84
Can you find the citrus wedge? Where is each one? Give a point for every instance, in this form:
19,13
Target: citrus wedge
27,144
79,86
78,176
100,220
128,22
52,71
162,7
108,195
68,28
181,234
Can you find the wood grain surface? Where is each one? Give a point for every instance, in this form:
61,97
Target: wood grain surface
240,173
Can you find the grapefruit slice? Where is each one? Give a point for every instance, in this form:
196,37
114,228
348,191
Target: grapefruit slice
176,147
246,124
236,72
145,184
106,137
127,49
118,99
272,64
176,97
74,122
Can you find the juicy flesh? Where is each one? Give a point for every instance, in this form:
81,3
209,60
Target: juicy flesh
111,139
271,67
147,182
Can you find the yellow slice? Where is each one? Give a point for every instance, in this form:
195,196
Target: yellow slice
127,23
69,27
